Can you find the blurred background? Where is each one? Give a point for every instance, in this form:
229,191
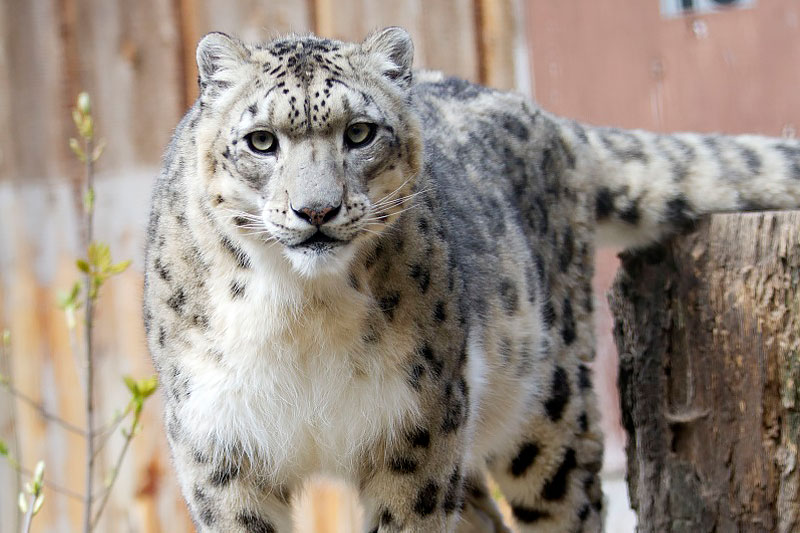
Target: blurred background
708,65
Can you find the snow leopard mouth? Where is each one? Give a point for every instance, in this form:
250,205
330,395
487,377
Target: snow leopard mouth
319,242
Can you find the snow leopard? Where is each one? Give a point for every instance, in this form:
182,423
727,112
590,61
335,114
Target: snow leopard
362,270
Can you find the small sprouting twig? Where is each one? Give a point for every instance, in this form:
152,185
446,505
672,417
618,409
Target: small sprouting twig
6,367
32,503
97,268
19,470
85,124
114,473
140,390
55,487
105,433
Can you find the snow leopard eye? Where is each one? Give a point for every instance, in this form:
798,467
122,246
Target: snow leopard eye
359,134
262,142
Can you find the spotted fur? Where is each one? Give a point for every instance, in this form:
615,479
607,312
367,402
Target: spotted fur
437,325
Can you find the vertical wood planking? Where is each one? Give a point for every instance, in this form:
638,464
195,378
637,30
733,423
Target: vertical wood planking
449,30
620,63
34,96
250,20
187,17
128,64
137,62
444,32
8,159
500,31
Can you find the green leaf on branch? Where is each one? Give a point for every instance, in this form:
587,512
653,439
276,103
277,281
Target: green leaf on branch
38,476
37,504
140,390
131,384
75,146
148,386
99,255
98,266
98,150
69,300
82,116
119,267
3,449
77,118
84,103
88,127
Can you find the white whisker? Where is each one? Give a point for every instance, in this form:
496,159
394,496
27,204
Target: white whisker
387,215
235,213
397,201
388,196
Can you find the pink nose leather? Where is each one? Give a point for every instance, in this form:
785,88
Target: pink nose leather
317,217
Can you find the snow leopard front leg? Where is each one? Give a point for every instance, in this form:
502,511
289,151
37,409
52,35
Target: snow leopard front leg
416,482
224,493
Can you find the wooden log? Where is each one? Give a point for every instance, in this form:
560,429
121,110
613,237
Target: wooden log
708,330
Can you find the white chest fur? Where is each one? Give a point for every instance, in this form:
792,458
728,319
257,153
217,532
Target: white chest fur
296,389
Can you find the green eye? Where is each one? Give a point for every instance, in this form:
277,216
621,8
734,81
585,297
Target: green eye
262,142
359,134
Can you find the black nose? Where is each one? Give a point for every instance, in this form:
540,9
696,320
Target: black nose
317,216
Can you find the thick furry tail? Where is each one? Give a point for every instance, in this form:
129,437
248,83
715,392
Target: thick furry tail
647,185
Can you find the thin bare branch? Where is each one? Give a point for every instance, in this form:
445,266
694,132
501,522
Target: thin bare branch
8,370
26,525
105,433
88,345
47,415
55,487
115,472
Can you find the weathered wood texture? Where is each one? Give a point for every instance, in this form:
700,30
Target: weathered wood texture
137,61
619,62
708,330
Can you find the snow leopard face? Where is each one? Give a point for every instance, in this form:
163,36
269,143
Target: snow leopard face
306,145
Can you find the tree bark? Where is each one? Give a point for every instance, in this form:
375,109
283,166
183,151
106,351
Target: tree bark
708,331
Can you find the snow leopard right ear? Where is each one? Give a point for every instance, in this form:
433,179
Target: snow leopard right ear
394,47
218,57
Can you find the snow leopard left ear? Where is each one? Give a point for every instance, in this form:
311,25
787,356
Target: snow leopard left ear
394,46
218,56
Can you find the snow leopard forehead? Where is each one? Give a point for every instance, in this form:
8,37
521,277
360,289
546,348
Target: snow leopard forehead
302,72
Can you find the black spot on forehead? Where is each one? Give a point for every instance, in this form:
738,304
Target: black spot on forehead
310,46
306,56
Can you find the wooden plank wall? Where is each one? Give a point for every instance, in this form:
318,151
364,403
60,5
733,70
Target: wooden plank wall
137,61
619,62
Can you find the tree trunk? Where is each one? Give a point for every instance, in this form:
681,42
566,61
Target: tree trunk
708,331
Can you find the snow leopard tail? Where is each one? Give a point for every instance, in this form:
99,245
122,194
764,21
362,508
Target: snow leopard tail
646,185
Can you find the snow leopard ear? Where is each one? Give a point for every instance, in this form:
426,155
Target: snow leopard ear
394,46
218,56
